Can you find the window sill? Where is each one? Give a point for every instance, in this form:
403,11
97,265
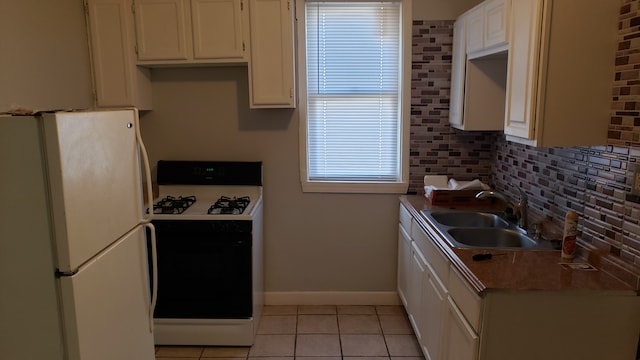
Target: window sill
354,188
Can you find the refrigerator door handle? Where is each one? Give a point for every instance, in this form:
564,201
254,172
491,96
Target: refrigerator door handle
154,277
147,168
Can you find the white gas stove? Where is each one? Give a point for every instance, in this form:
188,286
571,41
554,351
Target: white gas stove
208,221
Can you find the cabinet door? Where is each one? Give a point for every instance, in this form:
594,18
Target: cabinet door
459,61
524,50
434,301
460,340
271,69
475,29
416,306
163,29
496,21
404,263
117,79
218,29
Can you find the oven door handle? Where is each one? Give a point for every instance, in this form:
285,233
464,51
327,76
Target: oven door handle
147,169
154,276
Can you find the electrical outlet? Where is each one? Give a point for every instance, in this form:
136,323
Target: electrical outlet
636,182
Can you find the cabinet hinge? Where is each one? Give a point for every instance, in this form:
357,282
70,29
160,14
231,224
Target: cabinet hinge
86,8
288,5
133,7
241,5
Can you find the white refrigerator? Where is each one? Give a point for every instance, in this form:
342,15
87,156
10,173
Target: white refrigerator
74,278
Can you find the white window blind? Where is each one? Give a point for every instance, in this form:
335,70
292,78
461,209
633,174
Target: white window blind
353,55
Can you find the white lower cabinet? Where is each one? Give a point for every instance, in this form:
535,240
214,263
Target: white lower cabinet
434,297
462,320
452,322
460,339
404,264
415,301
421,270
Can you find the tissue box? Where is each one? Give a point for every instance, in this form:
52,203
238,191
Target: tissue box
441,197
442,191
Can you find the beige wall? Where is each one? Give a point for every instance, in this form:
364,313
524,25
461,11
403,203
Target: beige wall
44,58
313,242
441,9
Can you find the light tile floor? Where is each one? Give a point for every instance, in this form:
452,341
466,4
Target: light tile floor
318,333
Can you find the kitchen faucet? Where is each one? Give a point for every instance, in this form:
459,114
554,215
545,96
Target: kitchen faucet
519,210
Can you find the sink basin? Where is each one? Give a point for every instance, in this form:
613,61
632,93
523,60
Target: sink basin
469,219
480,229
490,238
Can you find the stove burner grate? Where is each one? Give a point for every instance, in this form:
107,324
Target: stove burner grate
227,205
173,205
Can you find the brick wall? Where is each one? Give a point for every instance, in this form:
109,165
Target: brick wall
594,181
435,147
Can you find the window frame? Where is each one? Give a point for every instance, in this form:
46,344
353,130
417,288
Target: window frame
382,187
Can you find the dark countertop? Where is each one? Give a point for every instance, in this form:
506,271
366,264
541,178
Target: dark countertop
520,270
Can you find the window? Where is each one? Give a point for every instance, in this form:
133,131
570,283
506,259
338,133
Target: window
354,59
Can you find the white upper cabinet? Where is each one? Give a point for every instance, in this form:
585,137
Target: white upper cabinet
117,79
496,24
477,83
161,29
271,68
127,38
474,19
458,62
218,29
487,26
561,68
173,32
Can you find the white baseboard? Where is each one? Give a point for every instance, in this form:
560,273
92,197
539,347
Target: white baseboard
331,298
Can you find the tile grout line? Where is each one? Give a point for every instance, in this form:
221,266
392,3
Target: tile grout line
340,333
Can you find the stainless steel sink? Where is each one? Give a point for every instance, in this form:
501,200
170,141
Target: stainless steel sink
491,238
469,219
480,229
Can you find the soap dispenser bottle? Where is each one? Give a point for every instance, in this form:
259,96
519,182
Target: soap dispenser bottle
569,235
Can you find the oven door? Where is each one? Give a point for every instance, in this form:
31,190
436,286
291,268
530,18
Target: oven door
204,269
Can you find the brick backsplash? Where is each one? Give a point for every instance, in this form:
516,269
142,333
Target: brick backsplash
594,181
435,147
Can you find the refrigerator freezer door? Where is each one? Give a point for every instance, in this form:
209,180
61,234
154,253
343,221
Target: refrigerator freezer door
106,304
95,181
